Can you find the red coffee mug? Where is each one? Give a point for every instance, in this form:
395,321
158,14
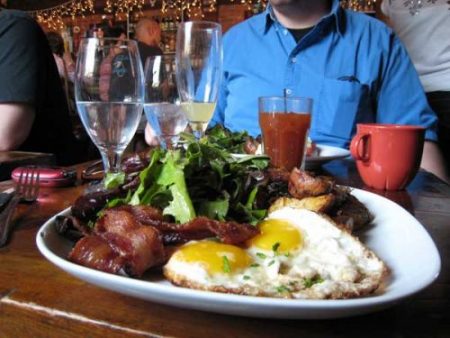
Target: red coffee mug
387,155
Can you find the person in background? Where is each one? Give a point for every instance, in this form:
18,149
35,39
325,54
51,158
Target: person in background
33,108
63,59
106,65
353,66
66,70
424,28
148,36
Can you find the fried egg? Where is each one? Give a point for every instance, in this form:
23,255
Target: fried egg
298,254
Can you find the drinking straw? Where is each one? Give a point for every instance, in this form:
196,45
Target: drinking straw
285,99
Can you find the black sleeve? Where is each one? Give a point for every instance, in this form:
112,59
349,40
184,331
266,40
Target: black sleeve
122,80
19,59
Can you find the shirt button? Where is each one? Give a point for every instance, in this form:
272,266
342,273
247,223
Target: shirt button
285,32
288,91
294,60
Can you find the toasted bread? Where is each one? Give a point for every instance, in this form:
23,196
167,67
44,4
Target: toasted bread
322,203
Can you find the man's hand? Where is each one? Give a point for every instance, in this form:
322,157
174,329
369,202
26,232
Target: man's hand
433,161
15,124
150,136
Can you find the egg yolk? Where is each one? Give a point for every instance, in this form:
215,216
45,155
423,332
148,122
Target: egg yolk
215,257
277,235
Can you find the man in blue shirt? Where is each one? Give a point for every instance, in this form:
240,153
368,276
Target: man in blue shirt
352,65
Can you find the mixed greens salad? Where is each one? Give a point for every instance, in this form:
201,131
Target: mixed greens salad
203,178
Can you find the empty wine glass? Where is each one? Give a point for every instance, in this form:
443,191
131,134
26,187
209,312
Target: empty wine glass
162,102
199,70
109,94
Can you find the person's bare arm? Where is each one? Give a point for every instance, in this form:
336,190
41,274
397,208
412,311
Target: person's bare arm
15,124
433,161
150,137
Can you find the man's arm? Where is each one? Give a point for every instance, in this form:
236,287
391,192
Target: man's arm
15,124
150,137
402,100
433,161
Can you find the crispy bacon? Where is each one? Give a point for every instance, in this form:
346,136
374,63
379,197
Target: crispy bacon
95,252
227,232
203,227
141,248
143,213
140,245
116,221
120,243
132,238
306,184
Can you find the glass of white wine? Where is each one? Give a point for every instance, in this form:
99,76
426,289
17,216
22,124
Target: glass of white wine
162,101
109,93
199,71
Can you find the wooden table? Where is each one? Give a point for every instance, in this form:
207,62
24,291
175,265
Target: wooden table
39,300
9,160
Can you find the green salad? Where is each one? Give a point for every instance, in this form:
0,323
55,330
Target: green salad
203,179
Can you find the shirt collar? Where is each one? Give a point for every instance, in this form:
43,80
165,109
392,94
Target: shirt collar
267,18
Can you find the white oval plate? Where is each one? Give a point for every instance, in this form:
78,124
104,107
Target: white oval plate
396,236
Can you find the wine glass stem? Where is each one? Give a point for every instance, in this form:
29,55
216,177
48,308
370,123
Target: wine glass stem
112,161
198,134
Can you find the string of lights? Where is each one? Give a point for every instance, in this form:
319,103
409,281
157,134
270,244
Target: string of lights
52,17
118,7
193,9
359,5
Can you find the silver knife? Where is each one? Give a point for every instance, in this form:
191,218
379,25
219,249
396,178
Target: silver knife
5,197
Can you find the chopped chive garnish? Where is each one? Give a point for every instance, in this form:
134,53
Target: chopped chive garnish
254,265
271,263
276,246
309,282
261,255
246,277
226,264
283,288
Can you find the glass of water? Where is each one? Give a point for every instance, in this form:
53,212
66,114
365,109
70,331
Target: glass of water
162,102
109,93
199,71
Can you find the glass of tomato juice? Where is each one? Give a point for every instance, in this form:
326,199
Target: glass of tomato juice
285,123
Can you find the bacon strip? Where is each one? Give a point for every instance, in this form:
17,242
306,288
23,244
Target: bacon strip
140,245
203,227
96,253
120,243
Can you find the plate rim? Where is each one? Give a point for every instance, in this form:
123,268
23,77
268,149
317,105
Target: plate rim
320,308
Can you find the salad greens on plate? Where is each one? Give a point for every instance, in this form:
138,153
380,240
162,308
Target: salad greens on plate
203,178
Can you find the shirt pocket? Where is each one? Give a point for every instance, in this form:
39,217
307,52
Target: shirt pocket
340,104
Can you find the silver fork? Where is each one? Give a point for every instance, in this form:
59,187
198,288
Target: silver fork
27,190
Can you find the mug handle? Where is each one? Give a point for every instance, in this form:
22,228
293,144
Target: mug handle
357,147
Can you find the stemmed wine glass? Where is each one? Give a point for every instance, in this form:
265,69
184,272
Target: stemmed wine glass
109,92
199,70
162,101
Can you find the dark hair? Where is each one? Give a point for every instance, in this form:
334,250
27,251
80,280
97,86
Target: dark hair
114,32
56,43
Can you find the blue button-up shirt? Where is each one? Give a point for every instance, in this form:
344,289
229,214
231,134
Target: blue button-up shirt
353,66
